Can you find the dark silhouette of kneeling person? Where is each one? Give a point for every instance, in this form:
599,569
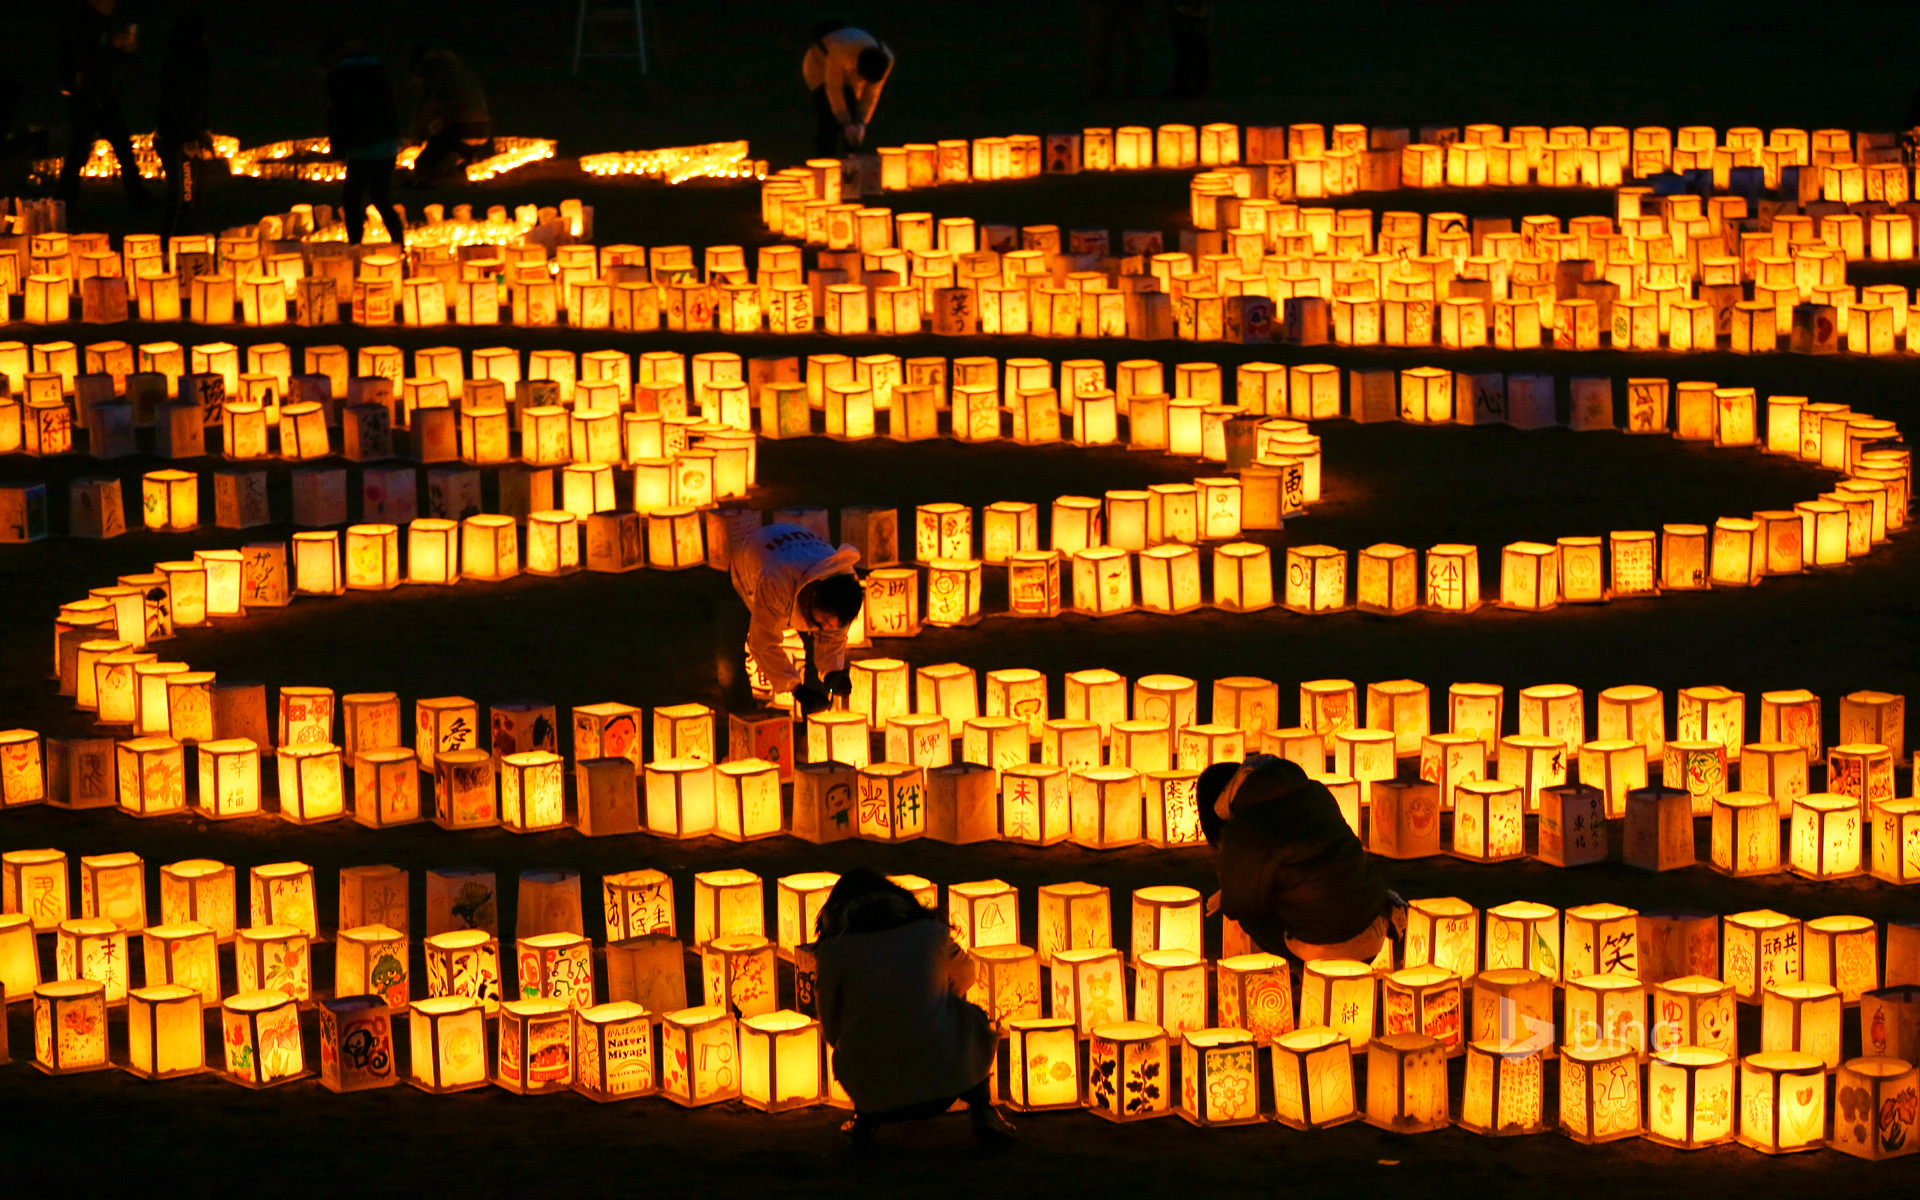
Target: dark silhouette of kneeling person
1292,872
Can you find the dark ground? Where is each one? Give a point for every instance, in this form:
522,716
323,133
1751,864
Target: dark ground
970,70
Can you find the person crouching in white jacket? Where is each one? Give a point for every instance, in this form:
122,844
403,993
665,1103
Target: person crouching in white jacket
790,578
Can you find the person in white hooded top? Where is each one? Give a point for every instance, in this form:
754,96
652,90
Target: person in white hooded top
790,578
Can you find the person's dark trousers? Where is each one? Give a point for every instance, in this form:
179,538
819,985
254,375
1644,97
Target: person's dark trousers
371,179
183,190
731,621
92,116
827,140
976,1096
1192,55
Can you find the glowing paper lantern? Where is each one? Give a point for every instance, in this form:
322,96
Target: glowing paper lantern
166,1036
464,962
70,1027
780,1061
1691,1098
1443,932
1039,1067
1074,916
536,1047
1007,984
1874,1115
261,1033
699,1052
1340,994
1127,1071
449,1042
1803,1017
1523,934
1407,1083
613,1052
1783,1102
1599,1094
1255,993
1759,949
1746,833
1089,987
1220,1078
1824,837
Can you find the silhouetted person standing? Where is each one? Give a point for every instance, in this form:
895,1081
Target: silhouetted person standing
450,115
364,132
845,68
1189,24
93,43
181,133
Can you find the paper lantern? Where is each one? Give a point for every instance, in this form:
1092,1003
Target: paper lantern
1890,1021
1862,771
679,798
449,1042
1637,713
276,957
371,960
556,966
1874,718
1170,990
1365,754
356,1044
536,1047
1407,1083
465,796
1220,1078
1089,987
70,1027
1504,1092
1824,836
1803,1017
1843,952
1489,820
35,887
1443,932
187,954
260,1030
1404,820
838,736
1598,939
1573,825
1105,808
1690,1098
1313,1079
1039,1068
1746,833
19,956
1074,916
983,914
1425,1000
1693,1010
1007,982
151,774
1255,993
1659,831
1783,1102
1874,1111
699,1053
780,1062
1759,949
94,949
166,1038
1523,934
386,788
1599,1094
312,788
1316,579
198,891
433,555
1127,1071
1606,1011
1514,1006
613,1052
1340,994
464,962
114,887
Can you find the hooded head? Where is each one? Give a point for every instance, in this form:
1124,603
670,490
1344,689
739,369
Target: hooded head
1218,787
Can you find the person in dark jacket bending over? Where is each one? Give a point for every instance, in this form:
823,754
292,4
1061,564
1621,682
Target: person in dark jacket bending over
450,116
1291,870
892,987
844,68
363,129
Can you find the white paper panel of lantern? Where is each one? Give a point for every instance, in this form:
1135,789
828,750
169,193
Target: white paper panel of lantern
1407,1083
1783,1102
1803,1017
679,798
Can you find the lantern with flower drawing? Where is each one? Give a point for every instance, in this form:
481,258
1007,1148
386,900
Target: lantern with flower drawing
464,962
1074,916
1127,1071
1690,1098
699,1056
1220,1078
260,1030
1843,952
1007,982
1783,1102
1875,1114
1039,1068
70,1027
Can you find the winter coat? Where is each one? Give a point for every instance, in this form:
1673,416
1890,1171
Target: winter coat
1290,865
899,1034
360,118
833,62
770,566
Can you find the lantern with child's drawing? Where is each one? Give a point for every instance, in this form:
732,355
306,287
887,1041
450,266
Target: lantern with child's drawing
1783,1102
70,1027
1040,1064
1220,1078
449,1042
699,1056
260,1031
1128,1076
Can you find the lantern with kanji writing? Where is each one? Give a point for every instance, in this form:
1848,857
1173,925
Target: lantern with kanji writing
1824,836
1746,834
1759,949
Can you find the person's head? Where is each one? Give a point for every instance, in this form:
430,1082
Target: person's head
875,63
865,901
833,602
1214,798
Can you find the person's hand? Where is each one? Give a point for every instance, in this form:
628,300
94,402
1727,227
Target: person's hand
856,134
810,699
838,683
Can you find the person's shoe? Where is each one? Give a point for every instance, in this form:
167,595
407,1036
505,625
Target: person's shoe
990,1128
859,1133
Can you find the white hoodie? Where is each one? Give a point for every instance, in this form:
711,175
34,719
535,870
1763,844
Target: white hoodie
770,566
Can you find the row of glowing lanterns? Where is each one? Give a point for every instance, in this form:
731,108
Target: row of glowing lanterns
1102,779
1638,1009
1319,161
1341,275
294,159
